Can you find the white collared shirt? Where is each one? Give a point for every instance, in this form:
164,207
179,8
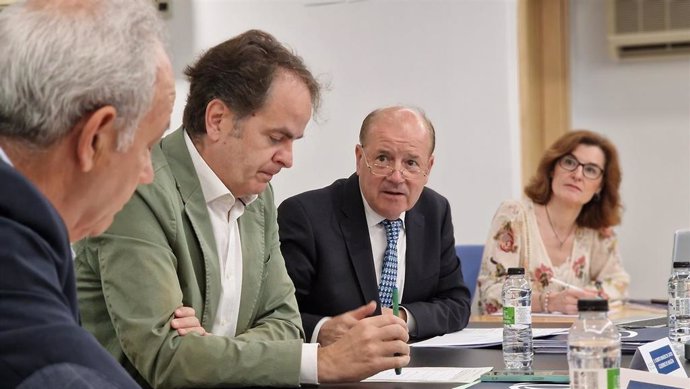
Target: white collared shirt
4,157
224,210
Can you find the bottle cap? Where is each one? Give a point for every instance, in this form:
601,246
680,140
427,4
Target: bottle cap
592,305
681,246
681,265
516,270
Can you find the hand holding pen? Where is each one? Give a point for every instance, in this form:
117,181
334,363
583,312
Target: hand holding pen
333,329
374,344
566,285
565,301
597,284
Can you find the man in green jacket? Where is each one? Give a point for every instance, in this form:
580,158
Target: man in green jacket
204,235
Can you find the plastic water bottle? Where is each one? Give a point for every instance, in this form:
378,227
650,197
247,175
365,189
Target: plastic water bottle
517,320
679,306
594,348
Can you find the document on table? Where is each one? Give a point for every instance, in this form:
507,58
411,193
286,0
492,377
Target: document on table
479,337
554,314
431,374
542,314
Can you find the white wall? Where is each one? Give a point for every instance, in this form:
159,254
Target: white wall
455,58
644,108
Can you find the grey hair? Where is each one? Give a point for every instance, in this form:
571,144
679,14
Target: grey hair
61,60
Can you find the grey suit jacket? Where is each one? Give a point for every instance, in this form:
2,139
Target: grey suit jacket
160,254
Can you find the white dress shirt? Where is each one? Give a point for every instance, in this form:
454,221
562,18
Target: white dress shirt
224,210
4,157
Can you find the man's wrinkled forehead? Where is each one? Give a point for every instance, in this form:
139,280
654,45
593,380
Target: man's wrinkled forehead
398,118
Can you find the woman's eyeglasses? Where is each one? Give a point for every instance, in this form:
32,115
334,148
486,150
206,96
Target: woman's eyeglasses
589,170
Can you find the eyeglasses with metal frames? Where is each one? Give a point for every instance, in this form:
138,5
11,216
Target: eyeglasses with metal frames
386,170
589,170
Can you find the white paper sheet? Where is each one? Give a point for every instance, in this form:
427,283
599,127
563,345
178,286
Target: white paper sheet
479,337
431,374
542,314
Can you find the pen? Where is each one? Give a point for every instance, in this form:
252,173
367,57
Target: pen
616,303
396,311
566,285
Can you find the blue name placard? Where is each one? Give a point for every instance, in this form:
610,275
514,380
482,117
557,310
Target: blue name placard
664,359
659,357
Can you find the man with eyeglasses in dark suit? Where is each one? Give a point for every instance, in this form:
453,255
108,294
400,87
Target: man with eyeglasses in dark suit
348,244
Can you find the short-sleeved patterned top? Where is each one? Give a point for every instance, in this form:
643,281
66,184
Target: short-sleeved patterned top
514,240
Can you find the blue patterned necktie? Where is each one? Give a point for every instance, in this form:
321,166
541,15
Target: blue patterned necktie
389,271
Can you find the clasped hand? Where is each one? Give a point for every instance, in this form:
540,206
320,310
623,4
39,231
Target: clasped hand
186,322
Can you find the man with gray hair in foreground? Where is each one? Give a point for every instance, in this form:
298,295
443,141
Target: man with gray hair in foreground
86,89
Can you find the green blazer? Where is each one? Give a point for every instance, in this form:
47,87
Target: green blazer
160,254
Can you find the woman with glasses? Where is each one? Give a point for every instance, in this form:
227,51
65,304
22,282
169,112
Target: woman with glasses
561,232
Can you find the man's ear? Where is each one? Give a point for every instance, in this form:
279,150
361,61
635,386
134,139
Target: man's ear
431,164
358,156
216,110
97,136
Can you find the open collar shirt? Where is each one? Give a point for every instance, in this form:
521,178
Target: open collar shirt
4,157
224,209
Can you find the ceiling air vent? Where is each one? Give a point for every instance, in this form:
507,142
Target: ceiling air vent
649,28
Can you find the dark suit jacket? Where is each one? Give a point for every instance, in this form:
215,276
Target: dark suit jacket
325,242
39,318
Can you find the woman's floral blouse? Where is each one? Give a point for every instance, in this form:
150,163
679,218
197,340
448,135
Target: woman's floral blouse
514,240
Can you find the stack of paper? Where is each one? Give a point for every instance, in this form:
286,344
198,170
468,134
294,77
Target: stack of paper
631,339
479,337
546,340
431,374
